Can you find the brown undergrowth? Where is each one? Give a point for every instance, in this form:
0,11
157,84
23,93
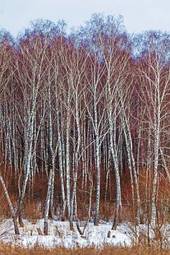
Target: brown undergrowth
12,250
36,194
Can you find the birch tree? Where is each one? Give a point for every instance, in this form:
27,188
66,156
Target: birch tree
155,92
29,73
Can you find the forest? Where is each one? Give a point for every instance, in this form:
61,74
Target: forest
84,124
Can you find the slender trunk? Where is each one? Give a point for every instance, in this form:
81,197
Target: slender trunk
47,202
132,166
61,171
116,171
12,211
68,166
96,220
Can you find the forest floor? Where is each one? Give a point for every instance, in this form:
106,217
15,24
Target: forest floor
138,250
60,235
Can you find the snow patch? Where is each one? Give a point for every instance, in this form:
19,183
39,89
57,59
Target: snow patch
61,236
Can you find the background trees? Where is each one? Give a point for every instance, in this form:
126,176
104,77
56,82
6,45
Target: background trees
87,114
155,90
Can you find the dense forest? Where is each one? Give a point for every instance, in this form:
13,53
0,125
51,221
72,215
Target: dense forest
84,123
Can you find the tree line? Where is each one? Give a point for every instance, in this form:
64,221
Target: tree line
85,109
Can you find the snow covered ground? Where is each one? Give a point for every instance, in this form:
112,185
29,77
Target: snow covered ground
61,236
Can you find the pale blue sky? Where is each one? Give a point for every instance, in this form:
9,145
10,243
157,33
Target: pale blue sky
139,15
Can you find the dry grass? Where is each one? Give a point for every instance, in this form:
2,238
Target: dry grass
36,193
9,250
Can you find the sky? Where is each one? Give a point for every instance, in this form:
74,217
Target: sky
139,15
